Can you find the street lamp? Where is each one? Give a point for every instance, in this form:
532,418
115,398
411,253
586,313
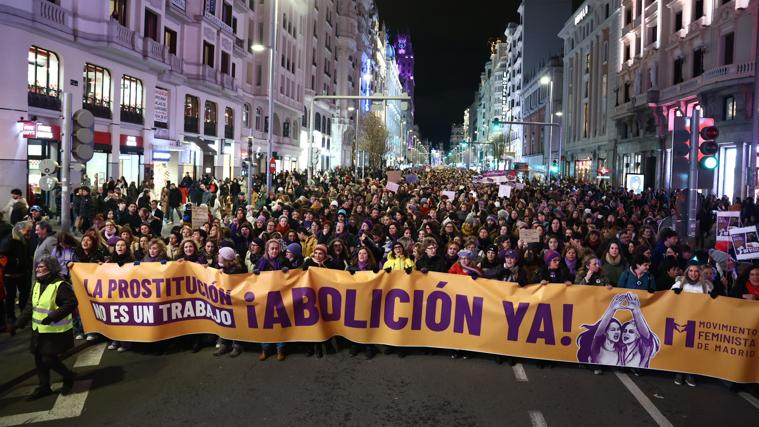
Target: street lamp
546,80
257,47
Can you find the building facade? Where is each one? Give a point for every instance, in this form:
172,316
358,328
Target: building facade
590,58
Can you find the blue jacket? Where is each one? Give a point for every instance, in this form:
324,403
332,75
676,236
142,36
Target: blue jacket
628,280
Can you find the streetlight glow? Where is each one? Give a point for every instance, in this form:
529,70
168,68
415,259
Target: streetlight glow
257,47
558,114
545,80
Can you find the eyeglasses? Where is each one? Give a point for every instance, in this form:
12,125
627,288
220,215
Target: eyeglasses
41,267
432,247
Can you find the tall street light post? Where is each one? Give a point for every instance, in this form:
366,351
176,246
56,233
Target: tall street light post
272,52
546,80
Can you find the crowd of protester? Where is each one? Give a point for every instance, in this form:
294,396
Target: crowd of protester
588,235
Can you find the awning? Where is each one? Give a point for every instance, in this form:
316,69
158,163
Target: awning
202,144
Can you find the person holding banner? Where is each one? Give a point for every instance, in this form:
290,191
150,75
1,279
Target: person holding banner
398,260
50,311
554,270
637,276
430,260
513,272
229,264
466,265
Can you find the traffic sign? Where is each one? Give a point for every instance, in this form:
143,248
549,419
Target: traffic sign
48,166
47,183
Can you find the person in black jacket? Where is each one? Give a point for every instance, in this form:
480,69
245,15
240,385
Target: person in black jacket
431,261
513,272
85,208
175,200
554,270
492,266
47,345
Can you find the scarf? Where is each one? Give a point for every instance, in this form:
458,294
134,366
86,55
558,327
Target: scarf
571,265
613,261
362,266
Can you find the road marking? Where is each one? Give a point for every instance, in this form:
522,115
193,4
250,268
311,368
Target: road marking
91,356
537,419
750,399
519,373
69,406
644,401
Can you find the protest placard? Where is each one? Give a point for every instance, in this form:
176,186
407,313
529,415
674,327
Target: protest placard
392,186
745,242
504,190
529,235
199,216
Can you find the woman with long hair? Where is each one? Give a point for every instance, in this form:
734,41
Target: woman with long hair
122,254
272,260
190,253
63,251
600,342
614,263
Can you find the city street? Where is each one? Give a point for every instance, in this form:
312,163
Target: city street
120,389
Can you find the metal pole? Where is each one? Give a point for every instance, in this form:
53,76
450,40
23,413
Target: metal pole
355,142
549,111
561,162
270,134
755,122
250,171
693,173
66,162
310,161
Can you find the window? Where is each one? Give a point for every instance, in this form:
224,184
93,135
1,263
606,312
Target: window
131,99
229,123
209,119
151,25
585,120
698,9
628,15
259,73
170,40
678,20
118,11
246,115
626,51
677,69
317,122
97,90
728,46
258,118
226,13
698,62
304,120
43,78
224,62
286,129
208,54
587,63
191,113
730,108
653,34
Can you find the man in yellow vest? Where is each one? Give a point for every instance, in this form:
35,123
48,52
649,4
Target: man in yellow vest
50,310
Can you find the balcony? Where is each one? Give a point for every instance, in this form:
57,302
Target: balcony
210,75
209,128
52,15
710,77
42,97
190,124
121,35
228,82
229,132
175,63
153,50
130,114
98,107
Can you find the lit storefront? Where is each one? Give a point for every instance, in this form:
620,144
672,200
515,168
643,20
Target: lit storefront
131,162
582,169
42,143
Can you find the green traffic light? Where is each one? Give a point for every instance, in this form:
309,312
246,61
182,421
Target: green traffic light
709,163
554,169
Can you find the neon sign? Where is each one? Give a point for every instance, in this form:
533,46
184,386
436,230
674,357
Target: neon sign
582,14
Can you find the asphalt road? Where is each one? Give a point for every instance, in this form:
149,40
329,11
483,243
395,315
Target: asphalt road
183,388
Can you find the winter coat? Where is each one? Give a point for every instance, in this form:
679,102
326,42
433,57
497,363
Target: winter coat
51,344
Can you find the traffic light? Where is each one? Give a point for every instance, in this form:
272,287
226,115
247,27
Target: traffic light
82,136
707,147
554,166
680,152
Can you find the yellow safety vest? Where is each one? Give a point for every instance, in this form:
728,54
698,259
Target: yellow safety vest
43,305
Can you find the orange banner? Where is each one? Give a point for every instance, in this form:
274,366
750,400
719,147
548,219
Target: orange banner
680,333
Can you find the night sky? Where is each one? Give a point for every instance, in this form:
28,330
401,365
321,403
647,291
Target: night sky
450,40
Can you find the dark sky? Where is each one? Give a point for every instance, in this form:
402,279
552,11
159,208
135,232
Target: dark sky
450,40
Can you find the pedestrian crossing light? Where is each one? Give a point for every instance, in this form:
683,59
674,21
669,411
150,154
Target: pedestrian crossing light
708,148
555,166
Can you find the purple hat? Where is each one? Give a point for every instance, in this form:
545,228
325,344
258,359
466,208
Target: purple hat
466,253
294,248
227,253
511,253
550,255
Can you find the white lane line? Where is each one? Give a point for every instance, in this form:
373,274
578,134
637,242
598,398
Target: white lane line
644,401
519,373
69,406
91,356
537,419
750,399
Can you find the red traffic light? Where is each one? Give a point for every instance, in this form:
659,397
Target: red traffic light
709,132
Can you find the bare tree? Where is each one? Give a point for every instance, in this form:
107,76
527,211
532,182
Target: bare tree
373,140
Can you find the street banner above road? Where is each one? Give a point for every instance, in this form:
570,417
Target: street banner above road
689,333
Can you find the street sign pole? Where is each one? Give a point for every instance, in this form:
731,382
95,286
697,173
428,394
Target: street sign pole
693,173
66,163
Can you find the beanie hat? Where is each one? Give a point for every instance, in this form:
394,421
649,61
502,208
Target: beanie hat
261,218
227,253
466,253
321,247
511,253
550,255
294,248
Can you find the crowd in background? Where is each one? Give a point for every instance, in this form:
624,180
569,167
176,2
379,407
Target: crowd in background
588,235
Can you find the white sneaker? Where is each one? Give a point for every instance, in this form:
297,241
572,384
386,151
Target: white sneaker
113,346
91,337
79,337
122,349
